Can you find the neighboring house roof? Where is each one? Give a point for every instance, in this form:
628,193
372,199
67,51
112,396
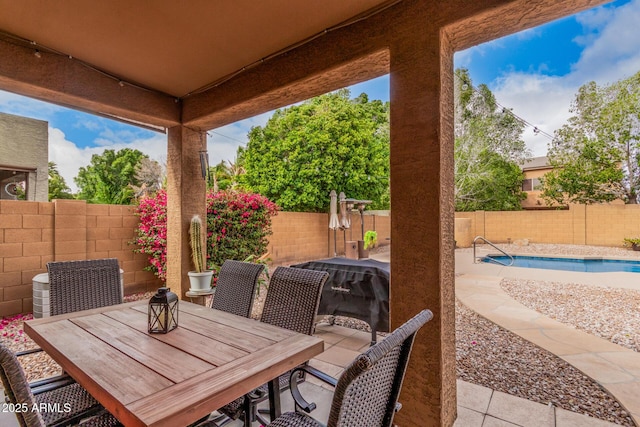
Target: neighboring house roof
536,163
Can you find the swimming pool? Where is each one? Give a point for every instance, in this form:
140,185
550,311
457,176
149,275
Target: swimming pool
592,265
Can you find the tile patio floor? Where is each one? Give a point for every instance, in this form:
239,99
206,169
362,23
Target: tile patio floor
477,406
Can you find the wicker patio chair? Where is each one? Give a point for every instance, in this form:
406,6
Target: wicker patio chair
64,403
291,303
82,285
366,394
236,287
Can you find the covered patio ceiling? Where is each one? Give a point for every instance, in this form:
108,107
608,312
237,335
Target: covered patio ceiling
172,47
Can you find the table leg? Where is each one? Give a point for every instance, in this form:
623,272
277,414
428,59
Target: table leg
274,398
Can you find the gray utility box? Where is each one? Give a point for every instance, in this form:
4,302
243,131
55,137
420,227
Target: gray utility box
41,294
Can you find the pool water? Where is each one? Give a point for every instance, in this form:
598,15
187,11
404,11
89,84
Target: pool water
570,264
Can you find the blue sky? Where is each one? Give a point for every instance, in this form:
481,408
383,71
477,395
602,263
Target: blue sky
536,73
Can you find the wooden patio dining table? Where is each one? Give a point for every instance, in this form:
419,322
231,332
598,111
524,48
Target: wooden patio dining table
172,379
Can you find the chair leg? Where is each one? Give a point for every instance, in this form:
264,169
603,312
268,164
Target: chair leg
262,420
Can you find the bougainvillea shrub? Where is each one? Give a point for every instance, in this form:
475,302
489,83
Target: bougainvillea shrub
152,232
238,225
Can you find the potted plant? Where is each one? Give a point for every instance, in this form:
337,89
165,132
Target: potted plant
632,242
370,239
200,278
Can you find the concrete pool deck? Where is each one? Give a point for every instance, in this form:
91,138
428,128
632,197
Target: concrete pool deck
615,368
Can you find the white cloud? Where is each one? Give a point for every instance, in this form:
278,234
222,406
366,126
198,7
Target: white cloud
463,58
109,136
223,142
541,100
18,105
612,52
67,156
529,34
87,123
70,158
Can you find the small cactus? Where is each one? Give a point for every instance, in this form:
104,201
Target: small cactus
197,250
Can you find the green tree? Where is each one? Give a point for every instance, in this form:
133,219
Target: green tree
219,177
58,188
109,177
488,150
595,155
236,170
330,142
226,175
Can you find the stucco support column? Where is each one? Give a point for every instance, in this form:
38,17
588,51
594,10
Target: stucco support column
186,196
422,215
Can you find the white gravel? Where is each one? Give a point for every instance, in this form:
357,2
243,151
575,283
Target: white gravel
612,314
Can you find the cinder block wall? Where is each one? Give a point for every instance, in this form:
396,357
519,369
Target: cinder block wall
300,236
26,245
599,225
34,233
110,228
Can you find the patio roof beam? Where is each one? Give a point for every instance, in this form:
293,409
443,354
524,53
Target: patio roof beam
341,57
356,53
64,81
484,22
281,82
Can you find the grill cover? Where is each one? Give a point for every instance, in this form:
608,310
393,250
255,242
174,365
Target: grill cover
355,288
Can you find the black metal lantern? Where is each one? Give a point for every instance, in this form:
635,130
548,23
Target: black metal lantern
163,312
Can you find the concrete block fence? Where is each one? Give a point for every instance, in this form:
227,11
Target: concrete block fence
598,225
34,233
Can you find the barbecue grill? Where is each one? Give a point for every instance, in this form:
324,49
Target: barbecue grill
355,288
